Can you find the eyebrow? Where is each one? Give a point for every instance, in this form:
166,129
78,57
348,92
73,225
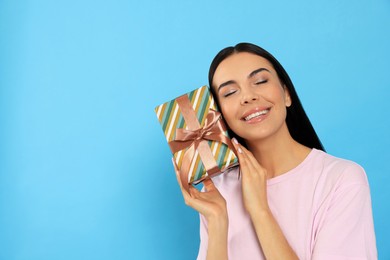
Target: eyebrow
251,75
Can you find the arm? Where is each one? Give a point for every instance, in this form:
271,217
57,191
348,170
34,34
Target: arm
217,246
346,228
268,231
271,237
212,206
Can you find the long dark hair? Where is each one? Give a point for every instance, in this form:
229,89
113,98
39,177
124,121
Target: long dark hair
297,121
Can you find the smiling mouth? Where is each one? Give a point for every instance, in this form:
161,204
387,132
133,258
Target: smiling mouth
256,114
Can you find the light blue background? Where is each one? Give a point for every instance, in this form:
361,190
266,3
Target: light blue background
85,172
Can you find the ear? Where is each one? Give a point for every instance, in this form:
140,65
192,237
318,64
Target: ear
287,97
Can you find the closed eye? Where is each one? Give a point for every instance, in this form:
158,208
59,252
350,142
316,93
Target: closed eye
229,93
261,82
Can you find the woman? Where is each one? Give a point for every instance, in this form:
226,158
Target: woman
292,201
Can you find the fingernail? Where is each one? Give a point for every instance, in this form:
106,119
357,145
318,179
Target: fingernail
235,140
239,150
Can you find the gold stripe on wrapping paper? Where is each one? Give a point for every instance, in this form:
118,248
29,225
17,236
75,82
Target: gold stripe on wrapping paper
198,103
172,122
218,154
194,166
230,159
164,110
214,148
158,112
221,162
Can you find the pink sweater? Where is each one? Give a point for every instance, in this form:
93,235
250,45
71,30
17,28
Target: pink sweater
323,207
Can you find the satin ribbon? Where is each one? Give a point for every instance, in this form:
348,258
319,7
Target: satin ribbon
212,130
196,139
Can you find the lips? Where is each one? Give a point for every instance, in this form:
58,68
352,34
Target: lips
255,114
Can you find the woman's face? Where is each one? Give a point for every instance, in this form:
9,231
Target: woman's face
252,99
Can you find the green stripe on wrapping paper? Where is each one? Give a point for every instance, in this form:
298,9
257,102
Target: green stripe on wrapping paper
191,97
199,171
203,105
167,112
180,122
221,155
191,94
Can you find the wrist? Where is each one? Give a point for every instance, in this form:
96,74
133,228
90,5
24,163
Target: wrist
218,222
217,215
260,212
217,229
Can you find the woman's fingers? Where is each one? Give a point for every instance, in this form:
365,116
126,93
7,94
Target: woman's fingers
251,158
246,164
177,171
246,156
208,184
185,191
209,202
191,193
254,179
180,177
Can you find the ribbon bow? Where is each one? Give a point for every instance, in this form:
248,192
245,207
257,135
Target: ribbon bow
213,130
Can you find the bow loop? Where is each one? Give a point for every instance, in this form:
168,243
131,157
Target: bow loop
211,130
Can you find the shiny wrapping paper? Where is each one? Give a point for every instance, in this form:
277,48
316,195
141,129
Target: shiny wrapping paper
197,136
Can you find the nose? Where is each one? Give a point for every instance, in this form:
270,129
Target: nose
249,97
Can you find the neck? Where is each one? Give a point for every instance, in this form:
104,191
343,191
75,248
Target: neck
278,154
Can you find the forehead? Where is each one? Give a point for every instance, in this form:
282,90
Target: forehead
240,65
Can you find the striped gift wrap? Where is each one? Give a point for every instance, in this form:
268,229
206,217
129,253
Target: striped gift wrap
170,118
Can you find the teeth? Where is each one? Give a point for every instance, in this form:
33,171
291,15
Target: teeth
259,113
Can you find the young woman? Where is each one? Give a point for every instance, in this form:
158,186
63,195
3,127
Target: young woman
292,200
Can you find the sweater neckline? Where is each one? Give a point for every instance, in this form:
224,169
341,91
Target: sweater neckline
293,171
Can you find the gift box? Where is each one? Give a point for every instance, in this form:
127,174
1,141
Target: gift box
197,136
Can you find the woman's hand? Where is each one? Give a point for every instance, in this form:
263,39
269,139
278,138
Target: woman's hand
254,192
254,181
209,203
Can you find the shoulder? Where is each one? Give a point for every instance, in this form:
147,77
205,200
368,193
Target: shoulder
339,170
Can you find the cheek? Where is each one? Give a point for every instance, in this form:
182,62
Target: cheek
228,112
229,121
277,95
